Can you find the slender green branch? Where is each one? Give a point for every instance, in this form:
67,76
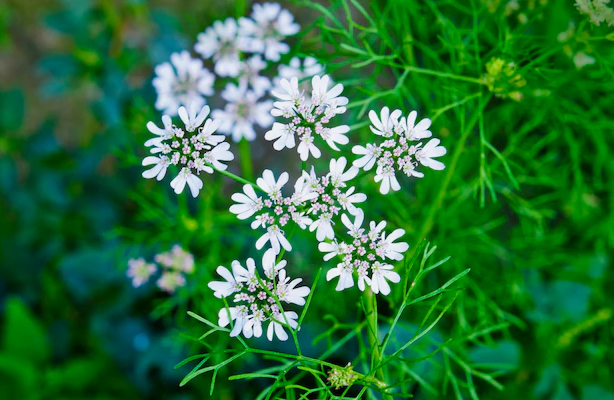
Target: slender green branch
372,335
245,158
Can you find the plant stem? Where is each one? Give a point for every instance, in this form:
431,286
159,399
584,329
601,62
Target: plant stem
245,157
372,335
238,179
427,225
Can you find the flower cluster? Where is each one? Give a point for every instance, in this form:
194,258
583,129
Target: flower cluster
193,148
257,300
236,48
308,117
364,253
400,150
597,11
315,203
182,81
174,265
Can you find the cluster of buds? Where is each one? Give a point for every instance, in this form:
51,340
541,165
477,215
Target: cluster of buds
193,149
400,150
175,264
308,117
257,299
315,203
340,377
364,254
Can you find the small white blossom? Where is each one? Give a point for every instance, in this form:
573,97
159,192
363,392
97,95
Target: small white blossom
277,329
233,280
426,154
276,238
382,273
249,203
183,81
385,124
186,176
221,42
271,186
170,281
243,110
250,75
265,31
140,271
415,131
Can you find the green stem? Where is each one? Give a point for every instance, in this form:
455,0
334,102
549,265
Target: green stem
444,75
238,178
427,225
245,157
372,335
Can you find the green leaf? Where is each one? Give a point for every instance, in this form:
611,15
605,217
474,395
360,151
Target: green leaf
23,335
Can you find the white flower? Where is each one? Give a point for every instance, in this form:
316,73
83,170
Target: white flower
344,271
183,81
283,136
387,176
355,229
186,176
163,134
217,154
220,41
369,156
194,118
170,281
159,169
432,149
381,274
271,186
384,126
250,75
276,328
348,199
307,147
393,250
242,111
332,249
237,314
253,326
301,220
234,281
140,271
270,24
416,132
249,203
336,135
276,237
330,98
338,177
324,226
288,292
269,264
289,93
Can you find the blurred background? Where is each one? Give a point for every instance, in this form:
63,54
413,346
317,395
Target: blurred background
533,218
